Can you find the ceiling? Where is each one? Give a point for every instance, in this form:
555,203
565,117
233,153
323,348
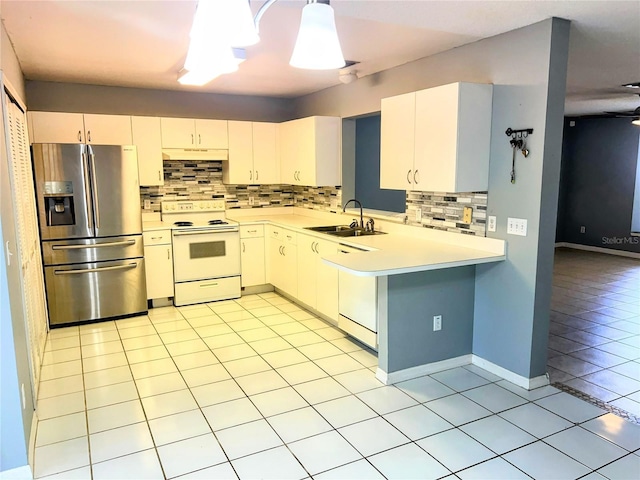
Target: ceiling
143,43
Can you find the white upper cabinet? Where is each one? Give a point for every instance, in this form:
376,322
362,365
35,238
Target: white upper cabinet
311,151
148,140
253,154
453,136
212,134
57,127
107,129
194,133
437,139
397,137
266,161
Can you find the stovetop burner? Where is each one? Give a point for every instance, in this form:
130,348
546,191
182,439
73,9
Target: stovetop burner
218,222
183,224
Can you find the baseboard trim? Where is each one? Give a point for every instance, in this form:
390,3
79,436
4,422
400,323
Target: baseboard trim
589,248
421,370
20,473
524,382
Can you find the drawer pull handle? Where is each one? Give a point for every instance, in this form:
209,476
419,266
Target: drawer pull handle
95,270
94,245
208,285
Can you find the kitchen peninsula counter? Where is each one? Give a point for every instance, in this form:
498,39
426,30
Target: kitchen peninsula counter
401,249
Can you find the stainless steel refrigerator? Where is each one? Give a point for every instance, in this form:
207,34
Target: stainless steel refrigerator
88,201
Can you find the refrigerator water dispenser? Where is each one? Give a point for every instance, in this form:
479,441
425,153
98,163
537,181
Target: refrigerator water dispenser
59,211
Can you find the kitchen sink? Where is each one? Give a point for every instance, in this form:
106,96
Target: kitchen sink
343,231
355,232
330,228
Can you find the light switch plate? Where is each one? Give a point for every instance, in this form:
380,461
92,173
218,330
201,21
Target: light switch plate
517,226
491,224
419,215
467,215
147,204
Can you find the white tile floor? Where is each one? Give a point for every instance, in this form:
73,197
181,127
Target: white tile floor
258,388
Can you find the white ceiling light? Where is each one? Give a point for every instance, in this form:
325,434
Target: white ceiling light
636,121
220,24
317,46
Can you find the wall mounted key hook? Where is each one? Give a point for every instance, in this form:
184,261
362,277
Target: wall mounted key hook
517,142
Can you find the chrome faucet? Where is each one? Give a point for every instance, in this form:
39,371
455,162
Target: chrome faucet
344,209
370,225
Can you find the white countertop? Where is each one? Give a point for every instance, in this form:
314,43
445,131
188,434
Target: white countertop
152,222
404,249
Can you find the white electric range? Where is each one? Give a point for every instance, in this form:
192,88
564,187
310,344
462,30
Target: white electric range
206,251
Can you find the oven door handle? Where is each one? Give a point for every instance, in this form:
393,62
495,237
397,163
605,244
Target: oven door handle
180,233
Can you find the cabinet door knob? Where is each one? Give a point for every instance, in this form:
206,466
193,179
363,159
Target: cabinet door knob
89,136
243,249
408,179
168,254
250,175
192,139
416,177
199,139
80,135
159,175
256,175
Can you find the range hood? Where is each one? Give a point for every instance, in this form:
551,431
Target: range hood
201,154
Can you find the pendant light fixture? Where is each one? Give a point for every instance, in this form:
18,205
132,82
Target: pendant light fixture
219,25
317,46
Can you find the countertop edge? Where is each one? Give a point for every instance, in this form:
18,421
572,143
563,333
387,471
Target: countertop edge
412,269
342,263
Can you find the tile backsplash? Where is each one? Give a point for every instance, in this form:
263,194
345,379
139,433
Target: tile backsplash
203,180
444,211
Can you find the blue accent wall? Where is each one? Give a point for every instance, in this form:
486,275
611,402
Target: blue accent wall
598,179
368,169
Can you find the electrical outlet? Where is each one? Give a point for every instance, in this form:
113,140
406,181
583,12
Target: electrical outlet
583,229
491,225
334,202
419,215
437,323
252,201
147,204
517,226
467,215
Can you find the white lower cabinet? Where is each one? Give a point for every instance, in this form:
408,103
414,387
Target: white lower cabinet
282,266
252,255
317,282
158,259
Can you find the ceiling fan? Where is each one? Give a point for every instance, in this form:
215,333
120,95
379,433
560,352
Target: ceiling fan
633,114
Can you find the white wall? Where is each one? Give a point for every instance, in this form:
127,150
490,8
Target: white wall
10,65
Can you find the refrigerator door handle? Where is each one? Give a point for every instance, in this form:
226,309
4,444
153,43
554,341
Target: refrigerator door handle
94,189
87,190
94,245
93,270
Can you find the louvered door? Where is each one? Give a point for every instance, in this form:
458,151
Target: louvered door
28,237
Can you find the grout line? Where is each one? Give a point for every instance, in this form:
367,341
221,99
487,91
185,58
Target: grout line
598,403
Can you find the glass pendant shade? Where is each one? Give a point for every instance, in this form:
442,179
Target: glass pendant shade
636,121
241,30
317,46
